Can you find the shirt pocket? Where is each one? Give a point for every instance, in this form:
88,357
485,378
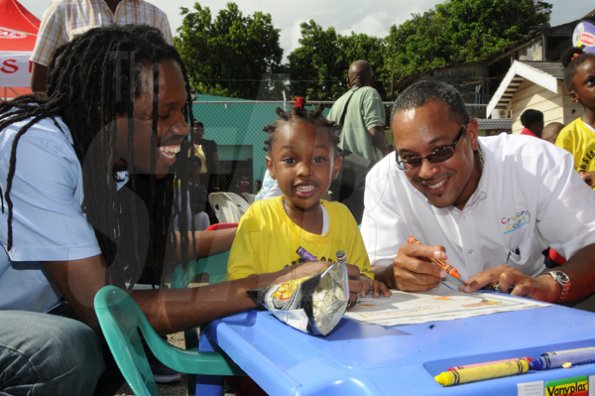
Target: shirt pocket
523,251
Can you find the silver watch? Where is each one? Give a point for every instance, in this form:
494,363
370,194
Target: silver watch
564,281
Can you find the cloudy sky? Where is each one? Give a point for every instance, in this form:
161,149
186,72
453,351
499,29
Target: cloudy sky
371,17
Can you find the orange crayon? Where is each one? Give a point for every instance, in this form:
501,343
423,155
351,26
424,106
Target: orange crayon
442,264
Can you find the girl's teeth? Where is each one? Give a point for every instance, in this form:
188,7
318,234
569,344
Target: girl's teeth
305,188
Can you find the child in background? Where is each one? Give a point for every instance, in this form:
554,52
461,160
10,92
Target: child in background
532,121
578,137
303,157
551,131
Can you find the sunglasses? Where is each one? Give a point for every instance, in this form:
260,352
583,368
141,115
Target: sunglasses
440,154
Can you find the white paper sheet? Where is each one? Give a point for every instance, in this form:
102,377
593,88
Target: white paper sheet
441,303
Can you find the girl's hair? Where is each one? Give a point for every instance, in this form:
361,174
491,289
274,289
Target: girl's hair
92,79
300,113
572,59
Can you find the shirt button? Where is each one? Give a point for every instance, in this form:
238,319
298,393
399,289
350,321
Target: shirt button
470,251
462,217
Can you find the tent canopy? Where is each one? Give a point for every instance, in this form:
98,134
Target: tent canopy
18,32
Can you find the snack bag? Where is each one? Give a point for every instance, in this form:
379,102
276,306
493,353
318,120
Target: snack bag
312,304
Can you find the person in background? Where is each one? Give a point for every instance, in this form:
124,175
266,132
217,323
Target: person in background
360,112
269,188
532,121
65,19
482,203
205,151
551,131
578,137
88,203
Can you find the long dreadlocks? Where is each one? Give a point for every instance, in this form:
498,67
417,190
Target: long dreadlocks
93,78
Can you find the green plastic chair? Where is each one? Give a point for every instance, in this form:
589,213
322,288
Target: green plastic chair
215,266
122,322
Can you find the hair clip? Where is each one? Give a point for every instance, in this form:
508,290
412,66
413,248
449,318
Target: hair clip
299,102
575,56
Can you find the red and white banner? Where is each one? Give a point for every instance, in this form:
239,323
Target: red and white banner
15,70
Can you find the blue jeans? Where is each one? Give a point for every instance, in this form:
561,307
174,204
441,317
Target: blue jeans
43,354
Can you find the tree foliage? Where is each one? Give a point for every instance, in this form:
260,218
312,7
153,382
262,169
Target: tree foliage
318,67
229,55
237,55
459,31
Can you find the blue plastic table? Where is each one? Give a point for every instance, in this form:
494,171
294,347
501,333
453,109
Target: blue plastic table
360,359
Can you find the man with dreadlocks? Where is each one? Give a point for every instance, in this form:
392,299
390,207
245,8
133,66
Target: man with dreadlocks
86,184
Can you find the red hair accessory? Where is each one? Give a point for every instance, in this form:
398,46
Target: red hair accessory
299,102
575,55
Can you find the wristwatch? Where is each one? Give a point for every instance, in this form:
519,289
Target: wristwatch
564,282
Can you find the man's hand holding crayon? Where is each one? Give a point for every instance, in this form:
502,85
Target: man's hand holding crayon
417,268
442,264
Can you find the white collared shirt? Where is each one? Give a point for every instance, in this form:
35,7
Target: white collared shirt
529,197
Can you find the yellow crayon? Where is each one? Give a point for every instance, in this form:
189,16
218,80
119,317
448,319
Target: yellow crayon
482,372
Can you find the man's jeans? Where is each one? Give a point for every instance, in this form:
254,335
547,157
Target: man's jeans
42,354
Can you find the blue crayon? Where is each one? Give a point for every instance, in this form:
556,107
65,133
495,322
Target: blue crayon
556,359
305,255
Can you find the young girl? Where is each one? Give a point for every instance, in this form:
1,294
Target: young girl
578,137
303,157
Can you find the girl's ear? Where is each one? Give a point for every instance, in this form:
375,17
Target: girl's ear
337,165
270,167
574,97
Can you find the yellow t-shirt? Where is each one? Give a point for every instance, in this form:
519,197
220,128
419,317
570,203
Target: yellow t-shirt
579,139
267,240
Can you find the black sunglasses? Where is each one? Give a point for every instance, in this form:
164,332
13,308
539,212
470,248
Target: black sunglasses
440,154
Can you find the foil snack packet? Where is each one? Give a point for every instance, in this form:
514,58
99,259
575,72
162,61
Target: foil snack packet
313,304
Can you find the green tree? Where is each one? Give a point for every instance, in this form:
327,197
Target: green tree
318,67
230,54
460,31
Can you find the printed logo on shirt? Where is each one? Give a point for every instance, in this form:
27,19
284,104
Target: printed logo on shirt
516,221
585,161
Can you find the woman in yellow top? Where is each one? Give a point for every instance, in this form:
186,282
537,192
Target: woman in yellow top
303,157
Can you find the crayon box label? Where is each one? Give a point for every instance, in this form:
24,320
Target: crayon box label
575,386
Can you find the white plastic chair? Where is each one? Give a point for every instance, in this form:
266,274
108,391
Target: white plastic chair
248,197
229,207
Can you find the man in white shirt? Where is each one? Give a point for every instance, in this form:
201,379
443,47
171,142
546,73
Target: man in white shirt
489,205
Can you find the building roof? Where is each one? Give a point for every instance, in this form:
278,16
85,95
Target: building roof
490,124
544,74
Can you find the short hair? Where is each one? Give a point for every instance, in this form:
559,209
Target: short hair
424,91
299,112
530,117
571,60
